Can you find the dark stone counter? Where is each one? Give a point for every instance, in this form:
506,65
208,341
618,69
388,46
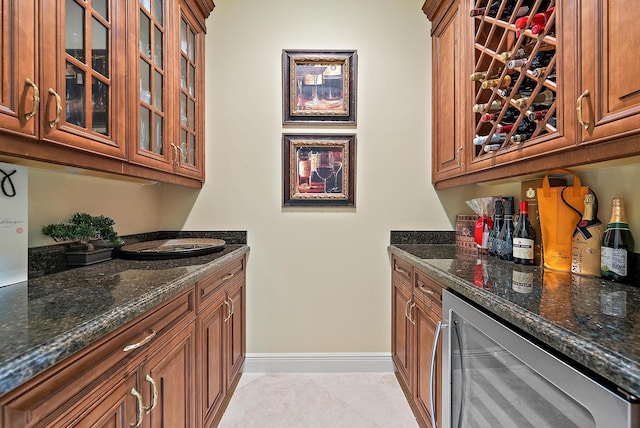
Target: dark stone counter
591,323
46,319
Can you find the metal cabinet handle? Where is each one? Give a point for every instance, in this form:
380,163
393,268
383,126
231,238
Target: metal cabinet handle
55,121
181,154
406,309
433,363
413,321
175,154
140,416
228,276
459,155
226,302
402,271
151,334
233,307
426,290
155,394
36,99
581,121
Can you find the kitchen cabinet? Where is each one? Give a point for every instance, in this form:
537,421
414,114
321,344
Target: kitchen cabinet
109,86
591,114
158,344
416,312
221,338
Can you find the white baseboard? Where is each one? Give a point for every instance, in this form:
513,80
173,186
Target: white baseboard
330,362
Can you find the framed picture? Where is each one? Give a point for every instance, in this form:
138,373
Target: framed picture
319,87
319,170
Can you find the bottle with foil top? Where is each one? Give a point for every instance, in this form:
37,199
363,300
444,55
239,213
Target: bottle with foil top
617,245
587,240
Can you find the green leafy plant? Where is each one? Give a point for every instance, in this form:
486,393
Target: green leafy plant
84,228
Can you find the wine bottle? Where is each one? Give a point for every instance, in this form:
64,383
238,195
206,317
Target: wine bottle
505,239
510,116
524,131
535,114
524,237
524,51
526,88
493,10
504,128
617,245
495,138
504,82
587,240
497,227
539,20
545,98
491,147
542,59
493,106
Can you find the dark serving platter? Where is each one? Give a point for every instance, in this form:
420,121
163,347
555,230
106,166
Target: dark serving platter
171,248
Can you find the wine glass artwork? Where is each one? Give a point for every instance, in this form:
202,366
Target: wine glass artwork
336,167
321,166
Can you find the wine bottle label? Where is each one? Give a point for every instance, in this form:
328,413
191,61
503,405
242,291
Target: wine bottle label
614,260
523,248
522,282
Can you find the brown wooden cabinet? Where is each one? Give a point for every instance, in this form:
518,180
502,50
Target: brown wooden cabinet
416,311
174,366
108,86
593,111
221,338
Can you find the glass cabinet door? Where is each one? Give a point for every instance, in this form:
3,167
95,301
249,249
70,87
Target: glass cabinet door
83,101
189,151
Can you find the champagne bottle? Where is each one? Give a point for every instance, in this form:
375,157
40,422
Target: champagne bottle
524,237
505,239
587,240
497,227
617,245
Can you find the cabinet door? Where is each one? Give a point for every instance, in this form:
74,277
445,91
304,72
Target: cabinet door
190,157
171,371
150,80
449,130
211,328
18,91
426,324
82,70
236,342
610,69
401,332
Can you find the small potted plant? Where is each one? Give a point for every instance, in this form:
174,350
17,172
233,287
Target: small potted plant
93,236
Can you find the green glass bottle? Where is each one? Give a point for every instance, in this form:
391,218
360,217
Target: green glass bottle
617,246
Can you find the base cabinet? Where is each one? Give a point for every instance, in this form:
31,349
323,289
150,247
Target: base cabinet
174,366
416,312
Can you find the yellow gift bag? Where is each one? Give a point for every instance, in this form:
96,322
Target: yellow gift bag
560,208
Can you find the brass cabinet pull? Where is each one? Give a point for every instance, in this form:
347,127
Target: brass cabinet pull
413,321
138,422
402,271
459,155
175,154
36,99
228,276
584,124
406,309
151,334
233,307
181,154
426,290
55,121
155,394
226,302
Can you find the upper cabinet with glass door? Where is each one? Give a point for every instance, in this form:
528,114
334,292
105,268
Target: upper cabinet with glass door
83,85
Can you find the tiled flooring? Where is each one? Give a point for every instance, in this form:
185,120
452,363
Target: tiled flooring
318,400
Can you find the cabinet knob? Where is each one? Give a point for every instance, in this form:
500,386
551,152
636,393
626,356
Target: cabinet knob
36,99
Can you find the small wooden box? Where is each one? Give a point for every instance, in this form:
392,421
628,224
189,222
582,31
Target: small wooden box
528,193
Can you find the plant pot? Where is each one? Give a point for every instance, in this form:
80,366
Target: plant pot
84,258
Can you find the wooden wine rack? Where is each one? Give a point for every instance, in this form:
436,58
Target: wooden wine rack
493,36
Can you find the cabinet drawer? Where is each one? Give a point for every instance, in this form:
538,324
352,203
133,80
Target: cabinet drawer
401,270
51,394
206,288
428,289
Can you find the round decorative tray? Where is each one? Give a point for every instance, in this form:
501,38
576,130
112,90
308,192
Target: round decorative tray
171,248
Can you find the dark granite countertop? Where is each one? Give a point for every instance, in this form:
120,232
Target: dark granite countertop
47,319
590,322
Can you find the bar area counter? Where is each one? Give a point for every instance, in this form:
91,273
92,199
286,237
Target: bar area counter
588,322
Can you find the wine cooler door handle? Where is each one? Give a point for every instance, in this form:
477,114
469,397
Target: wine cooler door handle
581,121
434,352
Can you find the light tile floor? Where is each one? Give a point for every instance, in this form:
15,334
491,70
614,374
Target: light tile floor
318,400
